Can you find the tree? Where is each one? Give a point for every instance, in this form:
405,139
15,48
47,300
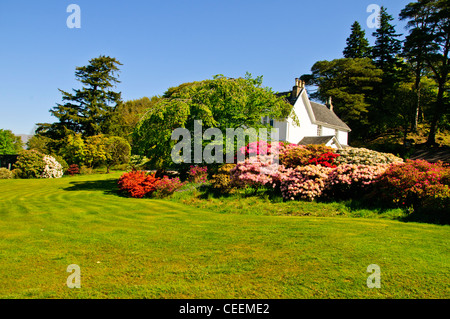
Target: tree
350,83
10,144
385,54
220,103
95,150
126,115
73,150
415,48
87,110
357,44
430,35
118,151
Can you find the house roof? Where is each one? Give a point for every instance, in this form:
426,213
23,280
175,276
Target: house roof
322,114
307,140
317,140
326,116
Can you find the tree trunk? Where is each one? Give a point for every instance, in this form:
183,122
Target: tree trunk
437,114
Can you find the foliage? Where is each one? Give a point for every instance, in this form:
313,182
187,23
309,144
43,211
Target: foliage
118,151
357,44
5,173
198,174
73,169
137,162
74,149
413,183
350,83
222,103
52,168
364,156
87,110
95,150
30,164
221,181
167,186
10,144
137,183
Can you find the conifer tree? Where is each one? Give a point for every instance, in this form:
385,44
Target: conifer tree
357,44
87,110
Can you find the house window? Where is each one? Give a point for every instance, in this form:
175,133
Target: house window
271,122
319,130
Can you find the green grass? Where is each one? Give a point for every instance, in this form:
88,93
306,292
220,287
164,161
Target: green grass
148,248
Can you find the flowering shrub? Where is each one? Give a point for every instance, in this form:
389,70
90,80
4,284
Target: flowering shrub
261,148
364,156
167,186
198,174
73,169
413,183
137,183
293,155
326,159
350,180
304,182
52,168
254,172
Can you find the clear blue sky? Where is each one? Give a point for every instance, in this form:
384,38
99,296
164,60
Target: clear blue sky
165,43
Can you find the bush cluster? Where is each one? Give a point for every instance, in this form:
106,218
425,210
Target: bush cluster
5,173
139,184
198,174
418,184
363,156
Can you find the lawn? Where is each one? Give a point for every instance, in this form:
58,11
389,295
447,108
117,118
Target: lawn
149,248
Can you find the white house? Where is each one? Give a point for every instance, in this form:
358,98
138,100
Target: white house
318,123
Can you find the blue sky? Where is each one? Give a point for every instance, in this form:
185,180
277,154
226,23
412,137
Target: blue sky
165,43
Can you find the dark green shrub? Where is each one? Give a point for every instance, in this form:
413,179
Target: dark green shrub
30,164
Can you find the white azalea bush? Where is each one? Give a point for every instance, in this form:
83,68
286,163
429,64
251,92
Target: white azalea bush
52,168
364,156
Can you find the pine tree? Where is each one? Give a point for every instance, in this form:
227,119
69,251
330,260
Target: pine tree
387,45
357,44
87,110
385,55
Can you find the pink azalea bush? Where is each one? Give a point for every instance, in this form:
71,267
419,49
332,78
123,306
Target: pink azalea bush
349,180
304,182
166,186
254,172
198,174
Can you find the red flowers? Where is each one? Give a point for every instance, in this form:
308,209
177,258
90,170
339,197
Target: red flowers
137,183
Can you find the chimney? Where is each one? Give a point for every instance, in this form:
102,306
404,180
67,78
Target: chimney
329,104
297,88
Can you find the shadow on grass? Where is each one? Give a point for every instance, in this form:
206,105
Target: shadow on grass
108,186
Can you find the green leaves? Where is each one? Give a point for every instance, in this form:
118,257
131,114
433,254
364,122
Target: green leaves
221,102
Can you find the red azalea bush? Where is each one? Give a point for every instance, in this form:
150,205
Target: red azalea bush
167,186
415,183
137,183
73,169
292,155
